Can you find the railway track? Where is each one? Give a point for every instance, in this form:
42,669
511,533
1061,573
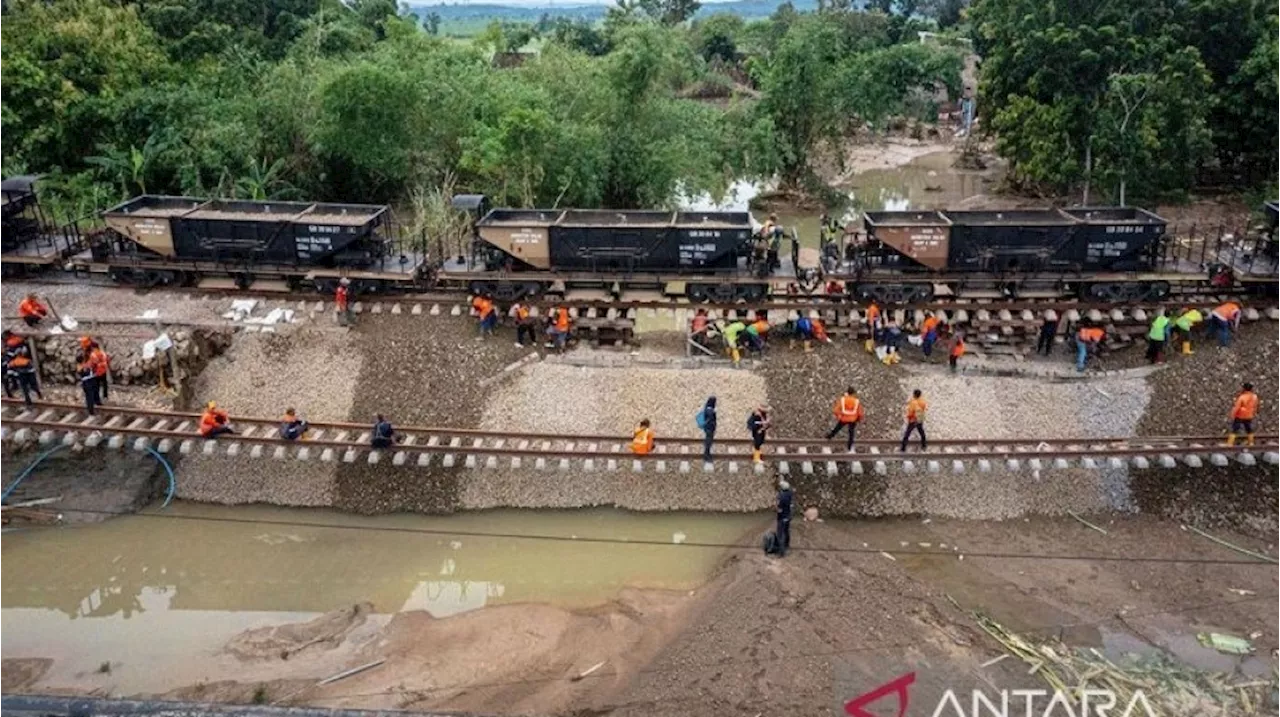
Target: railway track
50,424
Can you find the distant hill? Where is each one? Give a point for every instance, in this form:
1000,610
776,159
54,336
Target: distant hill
455,14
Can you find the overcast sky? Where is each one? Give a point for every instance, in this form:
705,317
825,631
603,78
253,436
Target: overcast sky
533,3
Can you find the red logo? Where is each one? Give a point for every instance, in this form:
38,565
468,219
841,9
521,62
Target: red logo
897,686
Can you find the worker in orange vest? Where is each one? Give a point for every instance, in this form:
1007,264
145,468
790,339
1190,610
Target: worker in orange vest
342,301
848,411
559,328
291,427
876,327
1242,414
101,365
957,350
642,439
31,311
19,369
928,333
1224,321
214,421
916,408
524,324
488,313
1088,339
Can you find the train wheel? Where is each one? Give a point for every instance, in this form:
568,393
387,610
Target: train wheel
751,293
696,293
895,293
1125,291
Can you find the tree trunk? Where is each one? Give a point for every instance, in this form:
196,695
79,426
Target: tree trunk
1122,190
1088,167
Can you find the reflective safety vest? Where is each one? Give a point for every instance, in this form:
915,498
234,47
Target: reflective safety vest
1187,320
873,314
929,324
31,308
759,327
340,298
957,348
1159,328
100,361
1228,312
1091,334
915,410
522,312
1246,406
848,409
562,320
642,441
211,419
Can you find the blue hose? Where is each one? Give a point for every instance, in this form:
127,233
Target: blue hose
173,481
27,471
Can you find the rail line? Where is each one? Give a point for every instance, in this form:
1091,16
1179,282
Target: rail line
46,423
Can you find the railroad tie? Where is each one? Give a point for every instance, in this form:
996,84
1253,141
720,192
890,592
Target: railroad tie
350,455
879,466
45,438
908,466
209,445
733,466
1273,313
1167,461
1246,458
1140,315
1115,462
758,467
255,451
1061,464
1271,457
660,466
455,311
326,455
855,467
832,468
141,444
1073,316
1141,462
1028,315
116,441
1117,315
70,438
279,453
304,454
357,308
783,466
374,457
184,448
933,466
1251,314
806,466
469,461
636,466
377,307
435,309
1218,459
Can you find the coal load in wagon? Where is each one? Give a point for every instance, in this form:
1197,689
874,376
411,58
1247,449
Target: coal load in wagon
647,241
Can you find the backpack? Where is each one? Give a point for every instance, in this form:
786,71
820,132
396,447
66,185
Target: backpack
701,419
804,325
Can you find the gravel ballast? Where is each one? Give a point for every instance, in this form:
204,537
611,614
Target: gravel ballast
312,370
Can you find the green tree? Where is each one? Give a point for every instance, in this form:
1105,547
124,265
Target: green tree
717,36
670,12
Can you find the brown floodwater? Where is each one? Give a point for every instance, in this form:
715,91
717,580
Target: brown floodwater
149,594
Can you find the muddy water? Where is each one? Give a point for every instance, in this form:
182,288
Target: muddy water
148,593
925,182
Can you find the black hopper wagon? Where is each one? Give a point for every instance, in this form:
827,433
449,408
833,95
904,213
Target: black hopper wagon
30,240
160,240
526,252
1111,254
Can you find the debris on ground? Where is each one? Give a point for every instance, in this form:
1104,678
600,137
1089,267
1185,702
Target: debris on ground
1167,686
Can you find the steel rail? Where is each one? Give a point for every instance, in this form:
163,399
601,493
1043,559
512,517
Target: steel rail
158,415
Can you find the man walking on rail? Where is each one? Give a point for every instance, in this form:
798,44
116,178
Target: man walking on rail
1242,415
1158,337
642,439
1224,321
31,311
848,411
706,421
916,408
758,426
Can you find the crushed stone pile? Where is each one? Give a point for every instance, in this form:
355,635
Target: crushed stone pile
312,370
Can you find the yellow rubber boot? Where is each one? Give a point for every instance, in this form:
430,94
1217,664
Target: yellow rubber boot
1186,348
755,457
1231,439
1248,439
869,345
808,346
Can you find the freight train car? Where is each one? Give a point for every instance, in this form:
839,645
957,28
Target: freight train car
29,239
1105,253
521,252
156,240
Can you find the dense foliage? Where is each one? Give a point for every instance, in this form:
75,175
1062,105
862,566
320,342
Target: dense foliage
1131,96
350,101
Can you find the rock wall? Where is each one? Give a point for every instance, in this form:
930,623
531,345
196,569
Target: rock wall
193,349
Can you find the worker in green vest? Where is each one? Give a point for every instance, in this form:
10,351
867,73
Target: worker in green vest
1186,321
1157,336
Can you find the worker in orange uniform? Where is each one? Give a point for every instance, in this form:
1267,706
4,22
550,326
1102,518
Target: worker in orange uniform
342,301
19,368
875,325
928,333
916,408
101,366
291,427
1224,321
849,413
957,350
521,314
31,311
1242,414
214,421
756,332
1088,339
559,328
87,373
488,313
642,439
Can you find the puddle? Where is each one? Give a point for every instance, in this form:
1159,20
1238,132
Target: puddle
925,182
149,593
